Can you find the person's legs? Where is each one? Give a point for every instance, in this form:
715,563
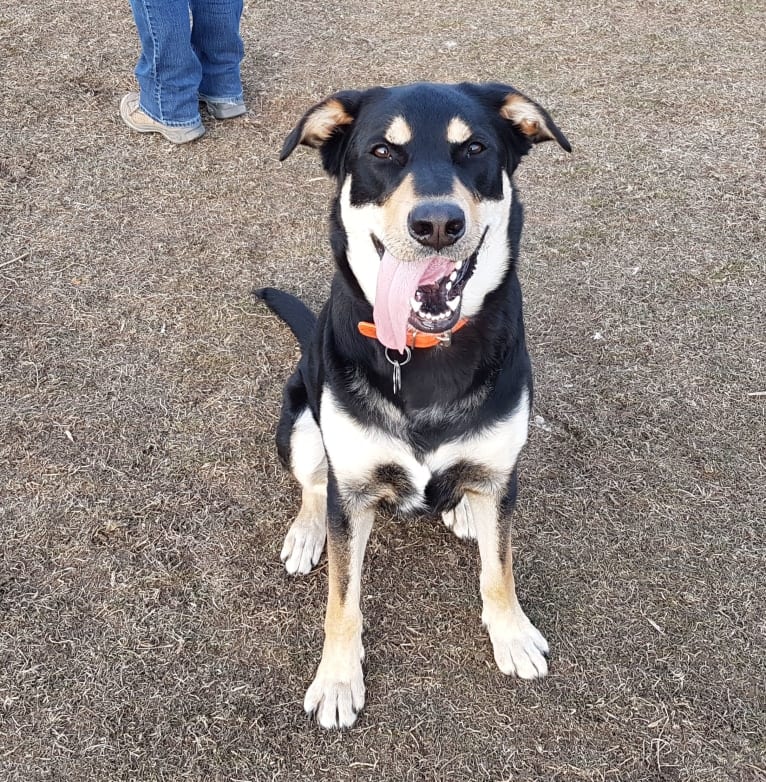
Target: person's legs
168,71
217,43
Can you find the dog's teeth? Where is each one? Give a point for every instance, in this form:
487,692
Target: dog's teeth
453,304
458,266
453,276
415,304
449,286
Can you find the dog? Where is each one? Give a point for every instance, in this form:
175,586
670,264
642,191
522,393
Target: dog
414,386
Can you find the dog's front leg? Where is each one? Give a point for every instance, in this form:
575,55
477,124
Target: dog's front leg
337,693
519,647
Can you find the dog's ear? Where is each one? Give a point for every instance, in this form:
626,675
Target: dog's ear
528,119
325,127
532,120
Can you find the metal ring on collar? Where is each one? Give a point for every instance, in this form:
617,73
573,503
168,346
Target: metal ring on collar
394,362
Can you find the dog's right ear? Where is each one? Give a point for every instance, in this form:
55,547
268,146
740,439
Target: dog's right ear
326,127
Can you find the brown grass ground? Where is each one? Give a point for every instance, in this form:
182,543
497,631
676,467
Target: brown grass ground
147,630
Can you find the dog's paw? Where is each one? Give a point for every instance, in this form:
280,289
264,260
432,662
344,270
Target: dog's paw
335,697
304,543
460,520
519,646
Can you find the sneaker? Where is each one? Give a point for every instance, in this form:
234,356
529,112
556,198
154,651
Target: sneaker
223,109
136,119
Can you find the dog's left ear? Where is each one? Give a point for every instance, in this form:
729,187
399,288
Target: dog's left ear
528,119
325,127
532,120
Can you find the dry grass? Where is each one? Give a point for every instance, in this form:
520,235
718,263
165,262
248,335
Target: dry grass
147,631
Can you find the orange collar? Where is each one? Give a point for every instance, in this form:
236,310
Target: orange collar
415,339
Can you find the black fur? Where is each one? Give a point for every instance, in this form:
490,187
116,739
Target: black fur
293,311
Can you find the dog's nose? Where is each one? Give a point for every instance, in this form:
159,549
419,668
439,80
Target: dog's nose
436,224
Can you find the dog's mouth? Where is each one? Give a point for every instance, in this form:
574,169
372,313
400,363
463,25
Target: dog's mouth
425,295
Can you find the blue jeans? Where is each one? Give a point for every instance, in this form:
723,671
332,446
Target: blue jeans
188,48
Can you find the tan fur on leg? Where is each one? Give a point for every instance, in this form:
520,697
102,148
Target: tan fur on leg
337,693
518,646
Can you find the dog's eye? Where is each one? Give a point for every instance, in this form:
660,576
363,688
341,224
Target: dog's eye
381,151
474,148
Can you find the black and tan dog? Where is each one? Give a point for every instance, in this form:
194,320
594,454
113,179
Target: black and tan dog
414,387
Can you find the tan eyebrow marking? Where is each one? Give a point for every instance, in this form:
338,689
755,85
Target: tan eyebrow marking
399,132
457,131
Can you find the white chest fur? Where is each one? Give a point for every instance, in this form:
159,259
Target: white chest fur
355,450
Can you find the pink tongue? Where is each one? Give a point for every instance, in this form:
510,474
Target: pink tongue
397,283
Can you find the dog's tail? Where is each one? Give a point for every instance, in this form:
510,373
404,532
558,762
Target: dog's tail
292,310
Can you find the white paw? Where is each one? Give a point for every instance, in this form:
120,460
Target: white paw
336,696
460,520
518,645
304,543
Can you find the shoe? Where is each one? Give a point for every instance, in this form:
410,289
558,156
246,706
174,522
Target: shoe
136,119
223,109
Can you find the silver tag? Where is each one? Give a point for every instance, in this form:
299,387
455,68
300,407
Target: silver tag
397,365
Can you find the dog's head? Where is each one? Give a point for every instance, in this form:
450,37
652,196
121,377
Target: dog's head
424,197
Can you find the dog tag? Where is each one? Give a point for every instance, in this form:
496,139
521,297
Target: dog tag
397,365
